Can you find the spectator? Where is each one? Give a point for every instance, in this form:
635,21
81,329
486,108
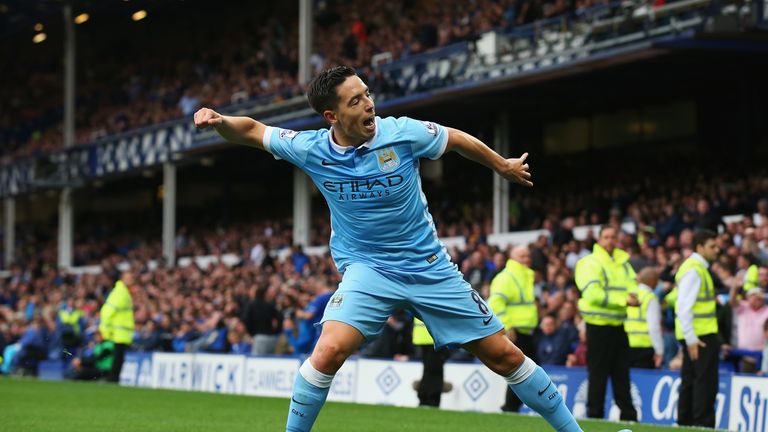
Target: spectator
552,347
764,365
263,321
33,348
750,316
213,336
643,324
188,103
147,337
579,355
475,271
299,259
299,330
706,217
95,362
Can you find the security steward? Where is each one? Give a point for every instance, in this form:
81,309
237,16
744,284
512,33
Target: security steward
643,324
116,321
696,329
607,284
431,386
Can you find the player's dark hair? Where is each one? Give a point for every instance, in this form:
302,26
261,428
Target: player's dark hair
701,236
321,91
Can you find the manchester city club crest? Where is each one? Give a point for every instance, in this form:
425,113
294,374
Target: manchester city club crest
388,159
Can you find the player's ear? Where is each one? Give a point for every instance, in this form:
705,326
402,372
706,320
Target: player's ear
329,116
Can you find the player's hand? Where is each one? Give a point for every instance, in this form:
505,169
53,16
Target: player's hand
693,350
205,117
516,170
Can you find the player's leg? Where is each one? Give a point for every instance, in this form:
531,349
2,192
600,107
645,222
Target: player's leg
526,345
337,342
352,316
455,314
527,380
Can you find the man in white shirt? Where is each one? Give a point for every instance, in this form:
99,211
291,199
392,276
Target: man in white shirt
696,329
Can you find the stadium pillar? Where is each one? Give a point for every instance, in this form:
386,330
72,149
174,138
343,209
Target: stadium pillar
69,77
65,200
305,41
302,204
500,184
169,214
302,208
65,228
10,233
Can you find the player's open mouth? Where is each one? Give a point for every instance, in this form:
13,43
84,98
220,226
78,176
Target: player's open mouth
370,124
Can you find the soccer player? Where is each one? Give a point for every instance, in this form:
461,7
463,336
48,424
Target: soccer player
383,239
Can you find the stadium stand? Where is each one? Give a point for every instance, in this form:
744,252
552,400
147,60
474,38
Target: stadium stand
454,45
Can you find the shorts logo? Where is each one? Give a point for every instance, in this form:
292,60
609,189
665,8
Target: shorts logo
336,301
431,128
388,159
287,133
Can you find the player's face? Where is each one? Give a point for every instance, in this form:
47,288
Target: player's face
355,114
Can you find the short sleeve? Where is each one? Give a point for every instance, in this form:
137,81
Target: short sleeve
287,144
428,139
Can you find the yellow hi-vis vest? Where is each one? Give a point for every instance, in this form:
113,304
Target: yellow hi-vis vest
751,279
604,282
636,324
421,335
71,318
704,310
512,300
116,323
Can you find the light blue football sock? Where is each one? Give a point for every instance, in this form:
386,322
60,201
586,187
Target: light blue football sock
309,392
534,387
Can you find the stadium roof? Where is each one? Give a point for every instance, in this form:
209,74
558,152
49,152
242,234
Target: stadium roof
19,17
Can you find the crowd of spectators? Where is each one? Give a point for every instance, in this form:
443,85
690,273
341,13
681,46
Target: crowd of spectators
269,301
158,74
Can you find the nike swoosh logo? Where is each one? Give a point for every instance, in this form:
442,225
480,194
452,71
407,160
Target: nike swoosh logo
541,392
326,163
486,321
297,402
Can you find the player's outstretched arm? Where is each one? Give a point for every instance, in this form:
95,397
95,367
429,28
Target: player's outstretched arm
238,130
513,169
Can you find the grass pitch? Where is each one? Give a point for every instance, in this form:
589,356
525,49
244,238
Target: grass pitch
28,405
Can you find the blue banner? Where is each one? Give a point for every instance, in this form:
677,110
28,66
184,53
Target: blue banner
137,369
654,394
140,149
17,177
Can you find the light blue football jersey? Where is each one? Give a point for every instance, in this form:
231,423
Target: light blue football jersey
379,213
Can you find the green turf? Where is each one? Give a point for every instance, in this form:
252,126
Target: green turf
41,406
